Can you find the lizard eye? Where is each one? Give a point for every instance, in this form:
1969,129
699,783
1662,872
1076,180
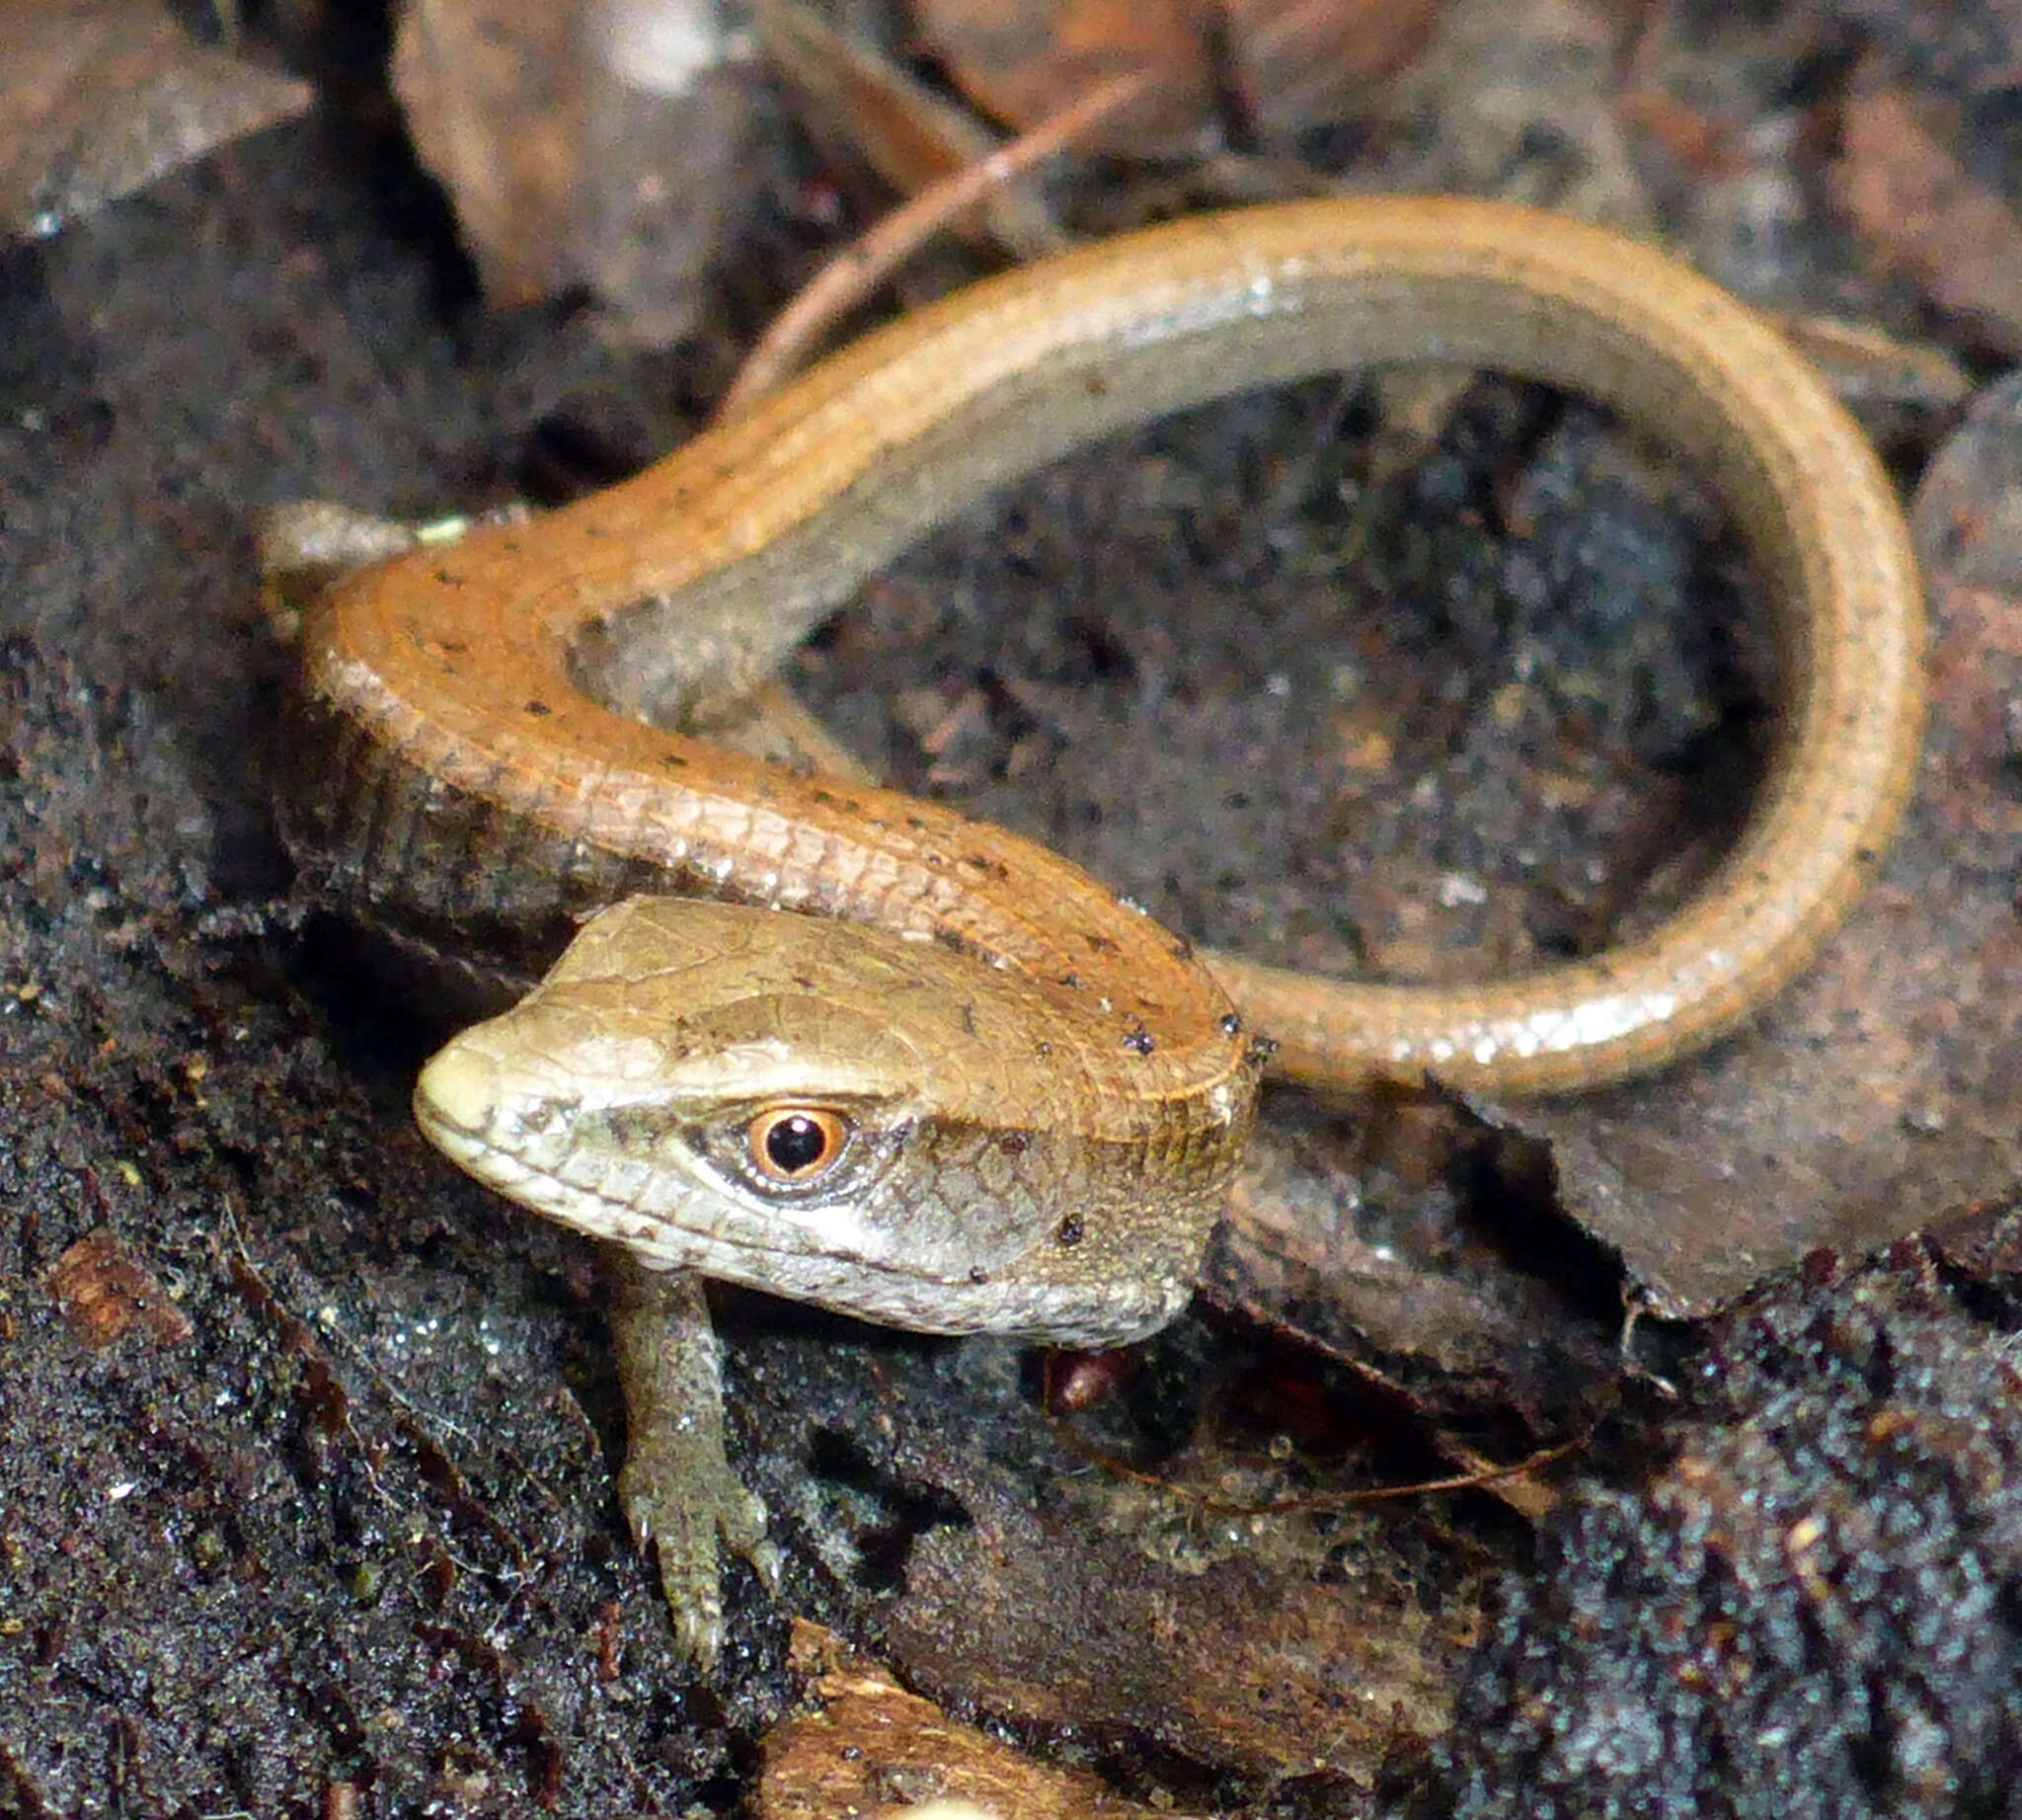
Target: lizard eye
796,1144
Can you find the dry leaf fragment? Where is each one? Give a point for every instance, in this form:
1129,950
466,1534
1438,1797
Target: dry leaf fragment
98,99
1023,63
910,135
105,1293
1296,63
597,143
1922,216
1284,64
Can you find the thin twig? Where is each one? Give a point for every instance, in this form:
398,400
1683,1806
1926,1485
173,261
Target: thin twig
849,277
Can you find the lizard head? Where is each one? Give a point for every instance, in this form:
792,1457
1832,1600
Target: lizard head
835,1114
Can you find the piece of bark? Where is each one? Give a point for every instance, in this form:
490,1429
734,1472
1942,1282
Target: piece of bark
869,1748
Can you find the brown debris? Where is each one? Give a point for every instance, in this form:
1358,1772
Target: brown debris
582,146
1020,63
105,1294
872,1750
1899,390
870,108
1285,63
484,102
484,108
1296,63
1924,217
1415,1300
100,97
1237,1652
1980,1242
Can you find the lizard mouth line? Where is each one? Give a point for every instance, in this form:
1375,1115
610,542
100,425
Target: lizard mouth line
600,1216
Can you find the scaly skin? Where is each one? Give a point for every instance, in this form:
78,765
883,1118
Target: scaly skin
470,790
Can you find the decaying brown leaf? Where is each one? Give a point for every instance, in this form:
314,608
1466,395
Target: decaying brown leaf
106,1293
98,98
869,1748
1923,217
596,143
1282,64
1296,62
1019,64
907,133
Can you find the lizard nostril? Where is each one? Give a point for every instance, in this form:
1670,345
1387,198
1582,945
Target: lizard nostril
458,1091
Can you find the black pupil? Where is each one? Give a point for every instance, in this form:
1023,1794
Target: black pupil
796,1143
